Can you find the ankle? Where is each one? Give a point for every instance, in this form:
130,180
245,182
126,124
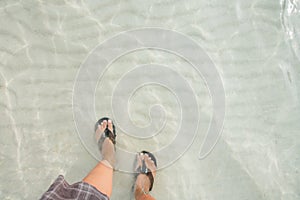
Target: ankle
107,163
108,151
110,158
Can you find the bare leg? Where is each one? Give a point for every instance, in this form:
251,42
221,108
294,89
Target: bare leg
142,183
101,176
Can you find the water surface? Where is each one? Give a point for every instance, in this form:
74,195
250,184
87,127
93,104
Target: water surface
253,44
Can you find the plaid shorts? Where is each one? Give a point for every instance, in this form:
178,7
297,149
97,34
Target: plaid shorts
61,189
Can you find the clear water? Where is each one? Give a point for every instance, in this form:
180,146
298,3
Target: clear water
253,44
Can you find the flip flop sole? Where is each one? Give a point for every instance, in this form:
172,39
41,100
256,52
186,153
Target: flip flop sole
144,170
111,135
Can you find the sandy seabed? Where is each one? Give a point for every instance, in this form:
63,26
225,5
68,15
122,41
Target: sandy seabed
254,46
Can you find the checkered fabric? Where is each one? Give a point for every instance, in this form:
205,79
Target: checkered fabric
61,190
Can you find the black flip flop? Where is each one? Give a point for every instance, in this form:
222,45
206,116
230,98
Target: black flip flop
144,170
111,135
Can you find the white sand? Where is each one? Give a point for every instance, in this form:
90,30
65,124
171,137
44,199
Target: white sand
254,45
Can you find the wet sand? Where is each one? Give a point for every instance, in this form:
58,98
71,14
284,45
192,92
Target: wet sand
254,46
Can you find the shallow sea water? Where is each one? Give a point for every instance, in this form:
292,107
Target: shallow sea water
254,46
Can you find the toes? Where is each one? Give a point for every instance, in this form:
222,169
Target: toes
139,161
141,157
149,162
110,125
104,124
101,127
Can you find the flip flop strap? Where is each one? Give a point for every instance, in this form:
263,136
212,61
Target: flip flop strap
110,135
144,170
151,178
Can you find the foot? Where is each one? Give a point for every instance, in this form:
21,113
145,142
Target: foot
108,149
100,130
142,184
